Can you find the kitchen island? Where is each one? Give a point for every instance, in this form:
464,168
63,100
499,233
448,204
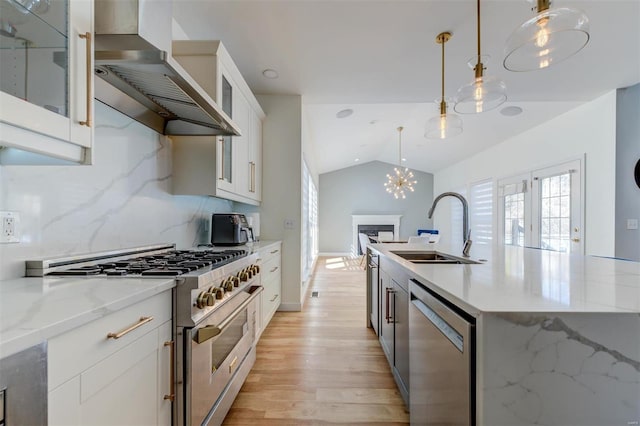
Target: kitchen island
557,336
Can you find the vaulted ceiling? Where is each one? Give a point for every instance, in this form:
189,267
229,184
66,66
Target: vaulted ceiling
380,59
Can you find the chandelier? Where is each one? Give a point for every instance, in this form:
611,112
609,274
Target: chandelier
401,180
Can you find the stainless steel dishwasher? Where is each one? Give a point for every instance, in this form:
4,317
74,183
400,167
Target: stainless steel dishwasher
441,359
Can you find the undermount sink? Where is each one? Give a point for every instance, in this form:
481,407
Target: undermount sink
432,257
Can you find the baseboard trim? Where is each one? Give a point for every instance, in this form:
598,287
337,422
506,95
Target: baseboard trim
335,254
290,307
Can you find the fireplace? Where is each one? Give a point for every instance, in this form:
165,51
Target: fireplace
372,231
371,225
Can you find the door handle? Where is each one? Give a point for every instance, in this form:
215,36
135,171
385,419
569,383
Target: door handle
172,387
387,313
221,160
89,77
142,321
575,240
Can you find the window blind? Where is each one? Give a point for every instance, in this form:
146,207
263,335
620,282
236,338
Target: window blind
481,212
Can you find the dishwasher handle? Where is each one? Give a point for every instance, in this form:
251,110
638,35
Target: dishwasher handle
435,319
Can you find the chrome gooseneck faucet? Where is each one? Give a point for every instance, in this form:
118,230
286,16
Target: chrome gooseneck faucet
466,233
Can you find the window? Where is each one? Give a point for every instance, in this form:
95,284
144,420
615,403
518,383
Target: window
309,223
481,212
543,208
555,212
514,202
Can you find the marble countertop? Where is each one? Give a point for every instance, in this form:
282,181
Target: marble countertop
516,279
35,309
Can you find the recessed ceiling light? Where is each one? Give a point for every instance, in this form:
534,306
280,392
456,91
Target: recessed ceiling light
344,113
356,160
270,73
510,111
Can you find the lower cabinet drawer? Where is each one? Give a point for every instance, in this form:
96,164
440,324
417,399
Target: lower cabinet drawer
271,296
73,352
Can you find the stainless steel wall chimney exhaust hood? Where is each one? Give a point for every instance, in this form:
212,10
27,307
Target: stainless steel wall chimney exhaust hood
133,55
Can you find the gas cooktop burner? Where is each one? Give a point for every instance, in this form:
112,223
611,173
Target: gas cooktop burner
171,263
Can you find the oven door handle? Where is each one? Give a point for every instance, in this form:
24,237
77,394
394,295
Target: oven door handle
210,331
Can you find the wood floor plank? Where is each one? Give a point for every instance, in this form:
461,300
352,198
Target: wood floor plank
322,365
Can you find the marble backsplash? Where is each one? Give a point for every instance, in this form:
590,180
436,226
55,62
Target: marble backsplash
123,200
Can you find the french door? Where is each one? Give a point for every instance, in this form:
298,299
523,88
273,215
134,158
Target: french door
543,208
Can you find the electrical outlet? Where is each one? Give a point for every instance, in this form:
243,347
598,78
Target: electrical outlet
9,227
632,223
289,224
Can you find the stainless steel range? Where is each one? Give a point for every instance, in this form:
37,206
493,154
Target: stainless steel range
214,316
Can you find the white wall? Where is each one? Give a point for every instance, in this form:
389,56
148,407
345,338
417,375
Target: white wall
589,129
281,188
123,200
360,190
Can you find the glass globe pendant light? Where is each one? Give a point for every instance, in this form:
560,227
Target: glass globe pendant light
443,125
551,36
401,180
483,93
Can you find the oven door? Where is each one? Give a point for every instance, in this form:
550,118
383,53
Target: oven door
216,348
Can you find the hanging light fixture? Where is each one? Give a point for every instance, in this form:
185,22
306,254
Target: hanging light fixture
443,125
402,179
551,36
483,93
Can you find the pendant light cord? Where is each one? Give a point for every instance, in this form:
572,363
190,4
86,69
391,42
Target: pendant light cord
478,20
400,146
442,99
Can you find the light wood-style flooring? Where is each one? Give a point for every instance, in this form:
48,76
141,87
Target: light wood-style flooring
321,365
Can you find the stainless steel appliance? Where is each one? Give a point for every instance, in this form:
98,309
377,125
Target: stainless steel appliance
133,55
229,229
215,313
23,387
442,360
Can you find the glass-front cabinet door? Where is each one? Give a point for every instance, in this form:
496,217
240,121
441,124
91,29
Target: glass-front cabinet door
46,77
226,148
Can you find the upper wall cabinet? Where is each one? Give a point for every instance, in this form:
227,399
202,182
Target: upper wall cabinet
46,80
224,166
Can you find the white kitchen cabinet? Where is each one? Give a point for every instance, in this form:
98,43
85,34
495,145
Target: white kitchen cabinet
97,380
270,262
228,167
46,81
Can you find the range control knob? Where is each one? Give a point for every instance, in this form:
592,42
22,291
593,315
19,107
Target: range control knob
219,293
205,299
235,281
228,284
243,276
256,269
249,271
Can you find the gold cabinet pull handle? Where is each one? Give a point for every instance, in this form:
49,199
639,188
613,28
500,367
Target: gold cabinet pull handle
89,121
253,176
275,268
142,321
274,252
172,386
233,364
274,298
221,160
